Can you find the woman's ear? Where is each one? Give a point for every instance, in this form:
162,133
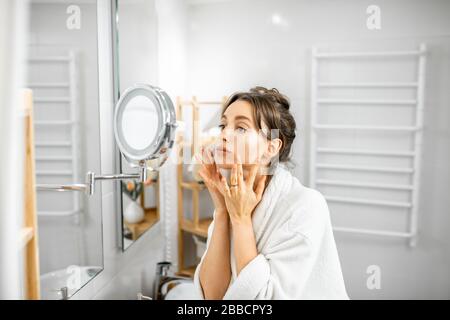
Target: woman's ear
273,147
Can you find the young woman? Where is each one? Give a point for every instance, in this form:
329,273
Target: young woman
271,237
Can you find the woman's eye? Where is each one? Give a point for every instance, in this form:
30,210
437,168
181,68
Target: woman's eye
238,129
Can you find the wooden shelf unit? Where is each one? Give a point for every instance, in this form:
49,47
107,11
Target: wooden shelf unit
188,271
137,229
29,233
196,226
199,229
151,214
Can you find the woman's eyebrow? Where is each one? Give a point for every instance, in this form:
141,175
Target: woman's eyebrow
240,117
243,117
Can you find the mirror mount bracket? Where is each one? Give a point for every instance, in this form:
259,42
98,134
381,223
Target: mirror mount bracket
91,177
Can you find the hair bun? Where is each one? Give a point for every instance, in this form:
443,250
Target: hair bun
274,94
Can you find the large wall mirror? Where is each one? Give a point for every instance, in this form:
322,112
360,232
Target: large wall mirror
63,75
135,27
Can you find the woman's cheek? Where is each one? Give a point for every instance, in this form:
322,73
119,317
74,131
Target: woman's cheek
253,149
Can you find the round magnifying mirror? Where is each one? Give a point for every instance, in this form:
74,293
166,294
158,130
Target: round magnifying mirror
144,126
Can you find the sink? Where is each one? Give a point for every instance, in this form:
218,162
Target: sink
53,283
183,291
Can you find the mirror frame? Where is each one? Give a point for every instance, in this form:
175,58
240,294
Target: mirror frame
127,150
156,153
116,94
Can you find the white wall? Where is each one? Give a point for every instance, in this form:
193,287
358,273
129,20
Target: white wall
13,23
172,37
233,45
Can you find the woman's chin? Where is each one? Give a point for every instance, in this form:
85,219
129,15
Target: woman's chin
223,161
224,165
228,162
229,166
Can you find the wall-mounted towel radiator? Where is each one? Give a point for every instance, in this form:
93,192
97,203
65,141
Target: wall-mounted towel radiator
67,63
384,131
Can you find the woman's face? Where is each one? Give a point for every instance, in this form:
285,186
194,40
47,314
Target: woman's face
240,139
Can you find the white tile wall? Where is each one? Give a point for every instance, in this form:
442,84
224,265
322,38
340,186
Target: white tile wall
233,45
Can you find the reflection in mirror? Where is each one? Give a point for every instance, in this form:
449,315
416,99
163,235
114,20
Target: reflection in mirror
140,122
62,73
140,205
138,201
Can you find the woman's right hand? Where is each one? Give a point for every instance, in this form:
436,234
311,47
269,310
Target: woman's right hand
212,177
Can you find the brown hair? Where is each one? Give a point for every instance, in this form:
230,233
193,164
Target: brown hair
272,108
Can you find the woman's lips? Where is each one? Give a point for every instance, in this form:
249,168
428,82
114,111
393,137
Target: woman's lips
222,149
223,156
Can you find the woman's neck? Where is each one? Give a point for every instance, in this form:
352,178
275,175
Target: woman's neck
265,169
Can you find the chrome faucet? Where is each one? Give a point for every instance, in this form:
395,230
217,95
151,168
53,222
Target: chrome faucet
164,281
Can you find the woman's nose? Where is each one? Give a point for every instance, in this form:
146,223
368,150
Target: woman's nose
226,135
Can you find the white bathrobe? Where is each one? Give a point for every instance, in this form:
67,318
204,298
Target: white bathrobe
297,256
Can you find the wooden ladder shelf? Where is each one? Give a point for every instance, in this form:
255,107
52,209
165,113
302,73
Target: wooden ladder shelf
29,233
196,225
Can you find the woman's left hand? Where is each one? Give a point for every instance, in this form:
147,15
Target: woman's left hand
241,198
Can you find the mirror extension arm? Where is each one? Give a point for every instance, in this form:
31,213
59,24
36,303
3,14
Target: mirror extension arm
91,177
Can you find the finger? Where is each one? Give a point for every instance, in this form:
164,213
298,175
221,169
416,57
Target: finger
201,156
197,158
240,175
211,158
206,157
216,173
260,187
252,176
204,166
213,182
233,176
238,158
210,154
204,177
224,187
216,177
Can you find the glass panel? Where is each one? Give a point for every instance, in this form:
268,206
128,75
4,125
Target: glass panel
62,72
139,201
140,122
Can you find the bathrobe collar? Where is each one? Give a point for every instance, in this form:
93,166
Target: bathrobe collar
279,184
